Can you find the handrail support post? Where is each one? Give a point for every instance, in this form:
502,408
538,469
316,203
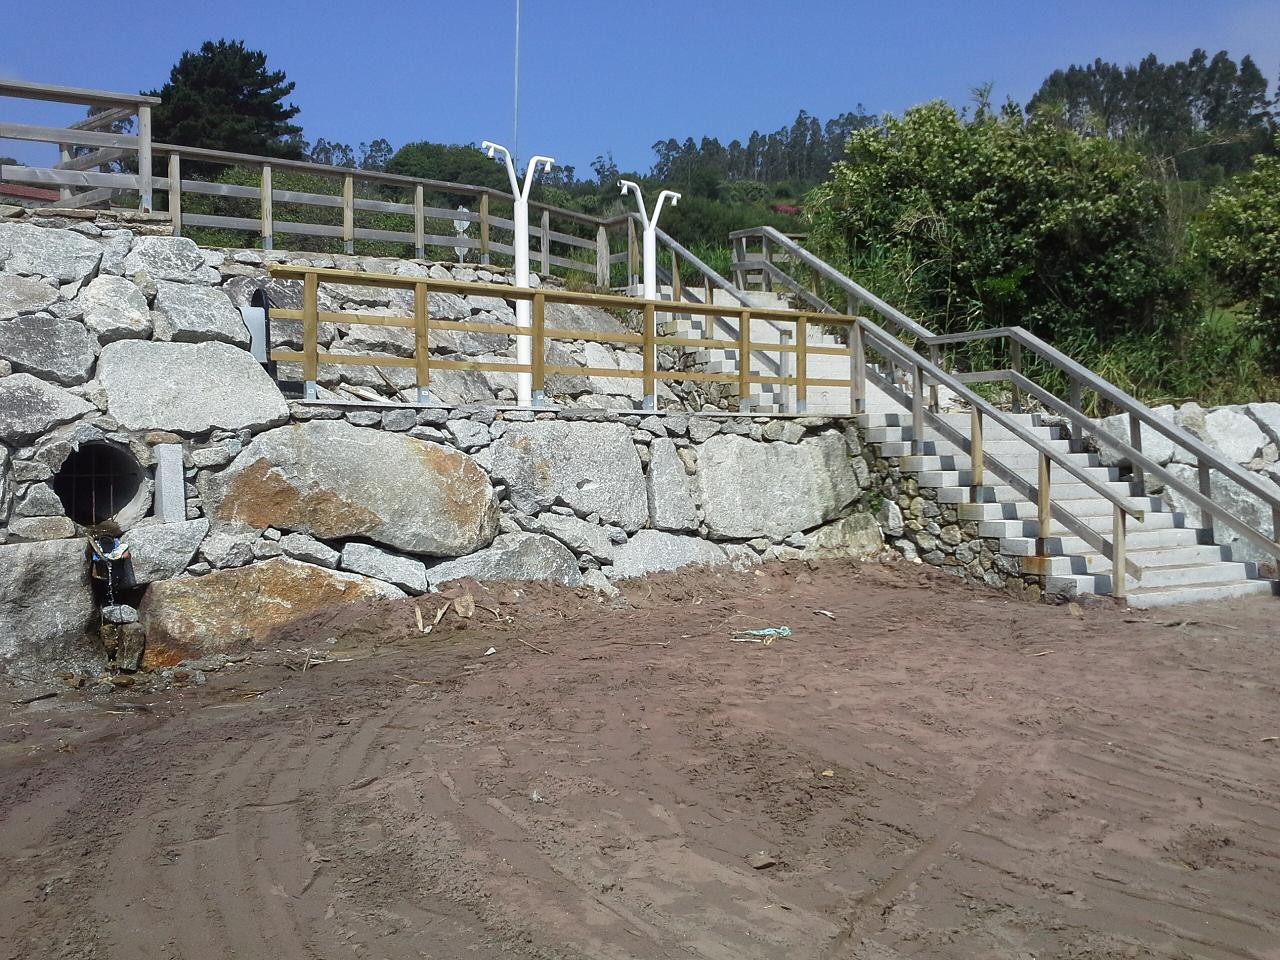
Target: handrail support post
1119,587
1043,510
977,456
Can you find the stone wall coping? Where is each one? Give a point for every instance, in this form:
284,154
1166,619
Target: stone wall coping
469,409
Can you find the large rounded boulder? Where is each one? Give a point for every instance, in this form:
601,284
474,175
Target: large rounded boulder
336,481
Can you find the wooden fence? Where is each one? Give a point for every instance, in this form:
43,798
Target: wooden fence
103,175
422,323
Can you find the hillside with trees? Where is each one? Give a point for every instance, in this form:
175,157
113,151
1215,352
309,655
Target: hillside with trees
1126,212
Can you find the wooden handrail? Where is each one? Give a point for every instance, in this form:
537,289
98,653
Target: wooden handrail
88,133
311,316
25,90
1078,377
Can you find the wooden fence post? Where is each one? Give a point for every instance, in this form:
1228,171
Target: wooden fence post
175,193
546,242
64,157
310,333
421,340
349,213
1119,584
917,409
934,358
1015,361
1135,441
419,224
602,257
1077,404
1043,513
802,364
744,361
539,350
267,215
633,254
858,373
650,358
144,159
977,451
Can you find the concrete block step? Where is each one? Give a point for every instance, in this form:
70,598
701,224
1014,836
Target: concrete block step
1169,565
1067,488
1026,510
1182,544
1001,450
961,492
1023,459
1181,575
959,420
881,434
1004,529
1146,598
1165,594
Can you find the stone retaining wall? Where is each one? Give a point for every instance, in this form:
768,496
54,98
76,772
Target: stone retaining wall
922,529
125,364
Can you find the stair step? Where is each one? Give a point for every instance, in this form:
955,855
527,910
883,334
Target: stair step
1174,538
1026,461
952,492
960,482
1146,598
1102,522
1026,510
999,449
1157,565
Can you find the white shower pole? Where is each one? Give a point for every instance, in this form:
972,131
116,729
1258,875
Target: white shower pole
649,253
520,196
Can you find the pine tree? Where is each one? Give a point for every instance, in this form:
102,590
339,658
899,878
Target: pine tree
223,97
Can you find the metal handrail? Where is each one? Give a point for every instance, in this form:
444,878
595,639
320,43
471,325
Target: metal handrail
1078,375
825,269
1255,536
980,461
1125,401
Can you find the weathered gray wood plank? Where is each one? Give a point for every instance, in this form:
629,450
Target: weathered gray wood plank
25,90
74,138
96,159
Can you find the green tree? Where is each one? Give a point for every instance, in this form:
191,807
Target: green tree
223,97
1001,219
1239,237
452,163
1209,115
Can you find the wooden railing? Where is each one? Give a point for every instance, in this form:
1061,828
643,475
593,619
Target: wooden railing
75,168
95,178
422,323
770,258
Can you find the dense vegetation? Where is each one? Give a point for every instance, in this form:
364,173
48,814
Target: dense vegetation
223,97
1130,214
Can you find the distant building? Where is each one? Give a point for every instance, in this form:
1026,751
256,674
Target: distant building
787,208
20,195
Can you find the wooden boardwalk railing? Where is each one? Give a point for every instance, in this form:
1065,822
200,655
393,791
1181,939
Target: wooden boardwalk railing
422,323
101,176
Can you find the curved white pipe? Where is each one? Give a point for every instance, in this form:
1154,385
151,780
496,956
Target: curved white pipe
650,250
520,244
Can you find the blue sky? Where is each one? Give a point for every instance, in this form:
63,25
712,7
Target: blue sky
600,75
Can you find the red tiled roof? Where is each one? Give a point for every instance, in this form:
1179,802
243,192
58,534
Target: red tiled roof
29,193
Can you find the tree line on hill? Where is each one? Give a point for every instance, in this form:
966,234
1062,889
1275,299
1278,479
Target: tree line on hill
1131,213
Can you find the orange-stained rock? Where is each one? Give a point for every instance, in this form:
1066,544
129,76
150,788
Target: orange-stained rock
231,610
337,481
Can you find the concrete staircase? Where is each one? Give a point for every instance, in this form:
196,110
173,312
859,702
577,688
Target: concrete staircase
771,397
1179,563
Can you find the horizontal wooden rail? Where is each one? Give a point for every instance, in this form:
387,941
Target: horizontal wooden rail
311,316
25,90
563,231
